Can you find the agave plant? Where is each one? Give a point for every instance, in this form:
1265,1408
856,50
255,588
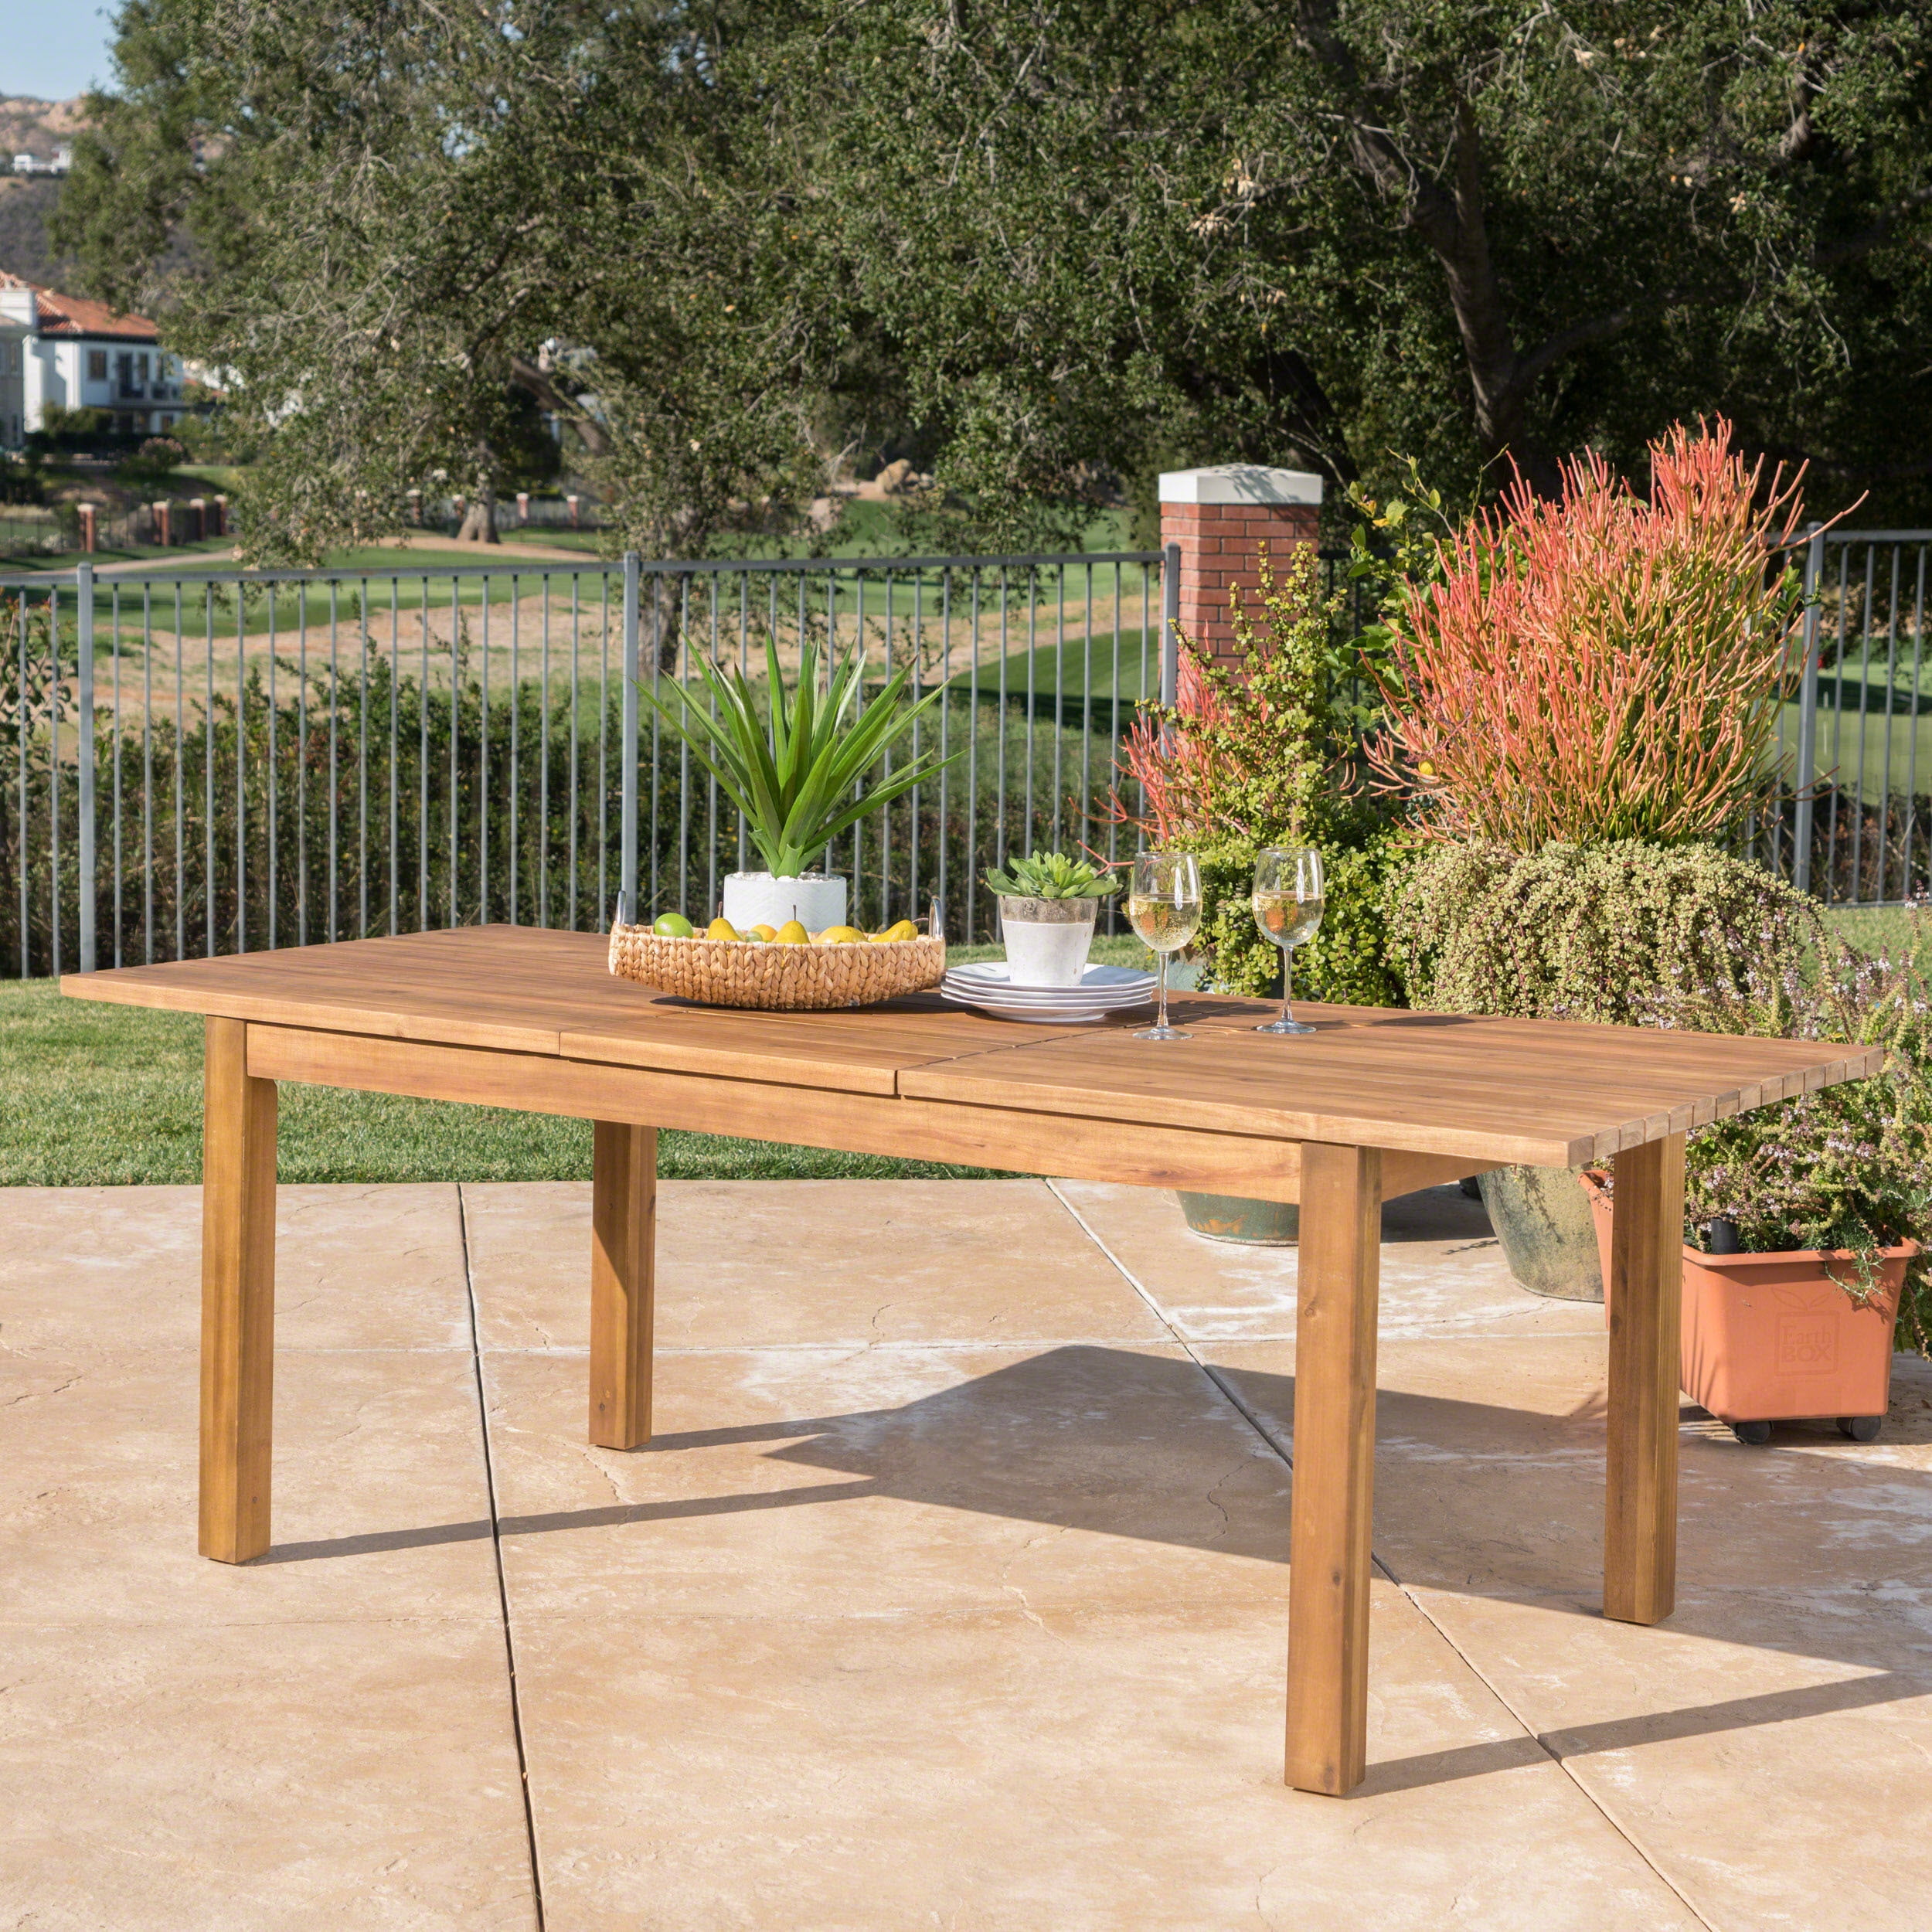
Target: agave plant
794,781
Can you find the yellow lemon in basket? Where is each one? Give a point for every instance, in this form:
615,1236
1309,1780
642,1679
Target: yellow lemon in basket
841,936
763,932
721,929
792,933
904,930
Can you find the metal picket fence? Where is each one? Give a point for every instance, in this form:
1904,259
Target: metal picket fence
1855,731
196,762
202,762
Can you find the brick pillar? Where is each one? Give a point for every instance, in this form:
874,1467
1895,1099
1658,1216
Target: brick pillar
416,506
1218,517
89,542
218,512
164,532
523,506
197,519
573,502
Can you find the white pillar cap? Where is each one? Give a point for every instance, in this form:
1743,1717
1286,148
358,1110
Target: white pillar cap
1240,483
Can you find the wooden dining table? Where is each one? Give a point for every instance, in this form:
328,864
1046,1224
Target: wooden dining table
1373,1104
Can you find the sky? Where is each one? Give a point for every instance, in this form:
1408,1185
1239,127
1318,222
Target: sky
53,49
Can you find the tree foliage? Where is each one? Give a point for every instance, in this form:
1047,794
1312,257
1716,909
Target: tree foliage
1030,243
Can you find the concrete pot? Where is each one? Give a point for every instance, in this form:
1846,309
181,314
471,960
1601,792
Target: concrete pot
815,900
1229,1217
1773,1338
1047,940
1542,1219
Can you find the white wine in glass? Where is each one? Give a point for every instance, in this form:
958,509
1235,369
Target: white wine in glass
1163,906
1287,903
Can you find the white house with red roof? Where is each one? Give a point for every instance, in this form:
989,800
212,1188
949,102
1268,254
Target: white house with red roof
64,352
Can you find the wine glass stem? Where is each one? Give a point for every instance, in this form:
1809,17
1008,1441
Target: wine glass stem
1288,971
1161,1022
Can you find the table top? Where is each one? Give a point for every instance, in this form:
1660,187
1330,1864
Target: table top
1545,1092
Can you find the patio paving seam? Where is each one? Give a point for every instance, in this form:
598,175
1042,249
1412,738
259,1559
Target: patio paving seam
1282,1450
496,1553
1557,1757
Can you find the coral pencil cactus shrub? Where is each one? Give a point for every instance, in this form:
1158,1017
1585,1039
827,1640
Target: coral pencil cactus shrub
1600,667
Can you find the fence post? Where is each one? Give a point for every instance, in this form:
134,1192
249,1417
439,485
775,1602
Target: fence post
1170,623
627,883
84,577
1807,717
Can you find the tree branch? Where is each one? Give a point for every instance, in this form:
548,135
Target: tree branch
1451,220
526,375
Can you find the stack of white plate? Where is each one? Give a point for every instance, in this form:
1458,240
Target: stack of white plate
1102,990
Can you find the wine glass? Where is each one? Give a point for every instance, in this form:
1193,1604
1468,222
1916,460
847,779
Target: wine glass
1287,908
1163,906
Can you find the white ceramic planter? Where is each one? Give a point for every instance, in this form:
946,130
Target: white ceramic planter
757,898
1047,940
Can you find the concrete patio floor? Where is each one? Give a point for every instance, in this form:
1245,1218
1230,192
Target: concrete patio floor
952,1593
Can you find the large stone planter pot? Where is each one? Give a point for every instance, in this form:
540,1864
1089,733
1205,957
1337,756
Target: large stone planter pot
1542,1219
1047,940
817,900
1770,1337
1229,1217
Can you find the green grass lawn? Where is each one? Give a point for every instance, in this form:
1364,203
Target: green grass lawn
1878,929
109,1096
1127,669
553,536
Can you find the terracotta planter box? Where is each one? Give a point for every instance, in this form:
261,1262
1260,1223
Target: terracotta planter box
1771,1338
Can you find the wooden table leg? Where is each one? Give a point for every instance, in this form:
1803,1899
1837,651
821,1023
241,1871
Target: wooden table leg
1334,1482
1646,1279
624,1215
237,1297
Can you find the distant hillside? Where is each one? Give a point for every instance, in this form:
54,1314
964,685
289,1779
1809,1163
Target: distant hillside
25,209
35,127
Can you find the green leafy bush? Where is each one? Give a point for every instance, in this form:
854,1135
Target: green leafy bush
1347,962
1592,933
153,462
1264,757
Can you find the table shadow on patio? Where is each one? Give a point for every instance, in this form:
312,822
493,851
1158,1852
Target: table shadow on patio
1027,1440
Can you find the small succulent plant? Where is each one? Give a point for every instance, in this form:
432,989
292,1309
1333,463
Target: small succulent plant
1052,875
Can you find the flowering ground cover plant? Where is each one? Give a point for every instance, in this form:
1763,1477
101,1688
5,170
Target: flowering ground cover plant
1599,933
1850,1167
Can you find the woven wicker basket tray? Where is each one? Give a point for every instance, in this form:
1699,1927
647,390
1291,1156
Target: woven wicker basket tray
796,979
